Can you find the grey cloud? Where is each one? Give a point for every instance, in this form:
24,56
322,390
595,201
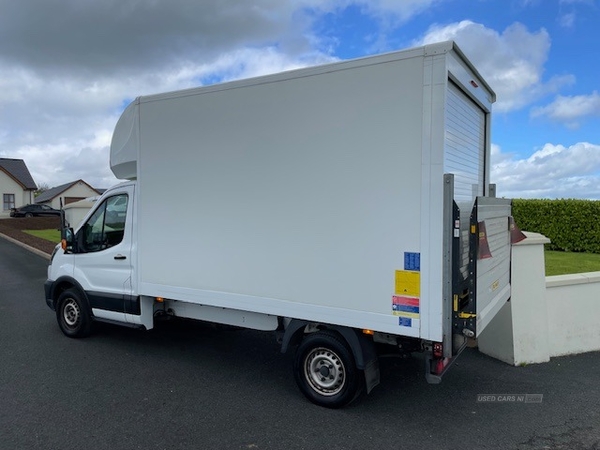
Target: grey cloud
113,35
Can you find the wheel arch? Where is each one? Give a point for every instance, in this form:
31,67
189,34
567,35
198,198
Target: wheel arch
363,348
65,283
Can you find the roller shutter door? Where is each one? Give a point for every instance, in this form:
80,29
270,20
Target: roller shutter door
464,155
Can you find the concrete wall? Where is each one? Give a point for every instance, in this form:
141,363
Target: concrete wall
573,313
546,316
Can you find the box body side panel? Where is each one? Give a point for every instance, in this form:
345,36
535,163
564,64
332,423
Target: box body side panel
299,195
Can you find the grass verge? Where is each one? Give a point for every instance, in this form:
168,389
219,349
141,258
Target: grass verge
49,235
562,263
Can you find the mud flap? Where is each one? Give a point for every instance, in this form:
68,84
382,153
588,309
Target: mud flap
372,375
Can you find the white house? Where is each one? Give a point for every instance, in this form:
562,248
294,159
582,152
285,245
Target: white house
68,193
16,185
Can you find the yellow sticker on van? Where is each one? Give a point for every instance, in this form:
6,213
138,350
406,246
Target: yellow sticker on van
408,282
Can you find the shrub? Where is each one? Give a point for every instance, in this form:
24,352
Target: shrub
571,225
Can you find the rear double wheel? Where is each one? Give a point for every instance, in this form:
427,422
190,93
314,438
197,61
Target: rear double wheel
325,370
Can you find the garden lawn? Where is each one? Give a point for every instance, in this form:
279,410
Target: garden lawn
49,235
562,263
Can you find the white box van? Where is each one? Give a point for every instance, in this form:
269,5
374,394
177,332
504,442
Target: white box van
341,206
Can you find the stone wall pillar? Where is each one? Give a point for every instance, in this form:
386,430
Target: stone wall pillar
519,332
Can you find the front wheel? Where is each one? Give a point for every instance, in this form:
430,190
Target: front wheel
72,313
28,215
325,370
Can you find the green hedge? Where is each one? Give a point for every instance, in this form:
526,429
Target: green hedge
571,225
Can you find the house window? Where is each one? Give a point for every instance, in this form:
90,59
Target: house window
8,202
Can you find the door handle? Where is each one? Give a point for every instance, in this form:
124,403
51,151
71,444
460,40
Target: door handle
119,256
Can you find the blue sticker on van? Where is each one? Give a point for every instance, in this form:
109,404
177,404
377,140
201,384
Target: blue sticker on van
404,322
412,261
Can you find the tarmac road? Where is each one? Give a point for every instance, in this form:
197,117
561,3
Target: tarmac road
192,386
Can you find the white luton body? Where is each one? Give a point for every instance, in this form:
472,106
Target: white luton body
342,206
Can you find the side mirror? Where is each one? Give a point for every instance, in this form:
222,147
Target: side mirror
67,238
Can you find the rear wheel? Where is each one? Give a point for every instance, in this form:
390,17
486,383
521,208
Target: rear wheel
325,370
72,313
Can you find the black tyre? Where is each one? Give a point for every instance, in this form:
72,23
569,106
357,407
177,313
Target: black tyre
325,370
28,215
73,314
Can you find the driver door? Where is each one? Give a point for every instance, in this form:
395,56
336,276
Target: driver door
103,261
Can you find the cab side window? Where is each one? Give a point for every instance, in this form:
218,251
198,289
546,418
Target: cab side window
106,227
